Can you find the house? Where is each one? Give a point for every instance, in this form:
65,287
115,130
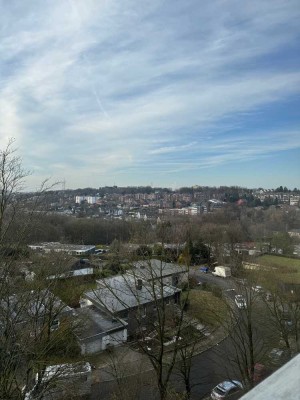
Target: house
160,271
33,310
295,233
130,298
248,248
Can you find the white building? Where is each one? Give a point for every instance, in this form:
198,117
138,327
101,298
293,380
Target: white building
88,199
72,249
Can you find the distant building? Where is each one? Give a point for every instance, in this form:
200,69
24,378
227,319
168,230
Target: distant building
56,247
295,200
215,204
294,233
88,199
180,211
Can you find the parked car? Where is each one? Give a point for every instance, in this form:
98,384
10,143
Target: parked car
204,269
286,319
226,390
260,372
258,289
240,301
288,324
172,340
269,296
278,357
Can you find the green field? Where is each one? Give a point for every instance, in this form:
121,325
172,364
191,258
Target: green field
287,268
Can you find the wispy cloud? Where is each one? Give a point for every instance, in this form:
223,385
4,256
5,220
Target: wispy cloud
172,149
106,87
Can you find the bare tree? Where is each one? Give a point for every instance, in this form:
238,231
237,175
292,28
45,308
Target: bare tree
284,315
11,182
29,312
153,310
247,344
185,356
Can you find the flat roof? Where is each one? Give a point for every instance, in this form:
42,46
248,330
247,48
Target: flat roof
95,322
65,370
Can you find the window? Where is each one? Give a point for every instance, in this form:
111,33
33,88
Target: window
144,312
54,325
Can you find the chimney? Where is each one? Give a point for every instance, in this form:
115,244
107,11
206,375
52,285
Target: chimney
139,284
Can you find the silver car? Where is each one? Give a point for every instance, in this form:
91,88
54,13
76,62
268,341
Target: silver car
226,390
240,301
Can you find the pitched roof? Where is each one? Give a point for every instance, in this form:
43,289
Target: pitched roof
157,269
126,291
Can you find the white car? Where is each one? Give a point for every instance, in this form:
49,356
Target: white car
258,289
240,301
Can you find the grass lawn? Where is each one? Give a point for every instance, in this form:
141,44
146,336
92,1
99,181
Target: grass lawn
288,269
206,307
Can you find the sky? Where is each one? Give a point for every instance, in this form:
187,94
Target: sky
163,92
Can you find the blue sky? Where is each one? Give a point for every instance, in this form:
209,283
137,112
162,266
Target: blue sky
168,93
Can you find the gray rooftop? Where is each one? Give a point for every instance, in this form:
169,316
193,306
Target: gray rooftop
95,322
156,269
126,291
33,304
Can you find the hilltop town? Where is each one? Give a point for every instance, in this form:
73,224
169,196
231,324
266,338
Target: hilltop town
151,203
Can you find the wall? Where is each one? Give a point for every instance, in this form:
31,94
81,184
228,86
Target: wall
100,342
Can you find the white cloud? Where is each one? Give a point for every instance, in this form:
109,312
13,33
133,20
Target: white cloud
108,85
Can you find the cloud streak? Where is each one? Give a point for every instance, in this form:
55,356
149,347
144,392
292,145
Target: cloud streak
99,88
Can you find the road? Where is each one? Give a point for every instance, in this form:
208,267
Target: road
223,283
208,369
